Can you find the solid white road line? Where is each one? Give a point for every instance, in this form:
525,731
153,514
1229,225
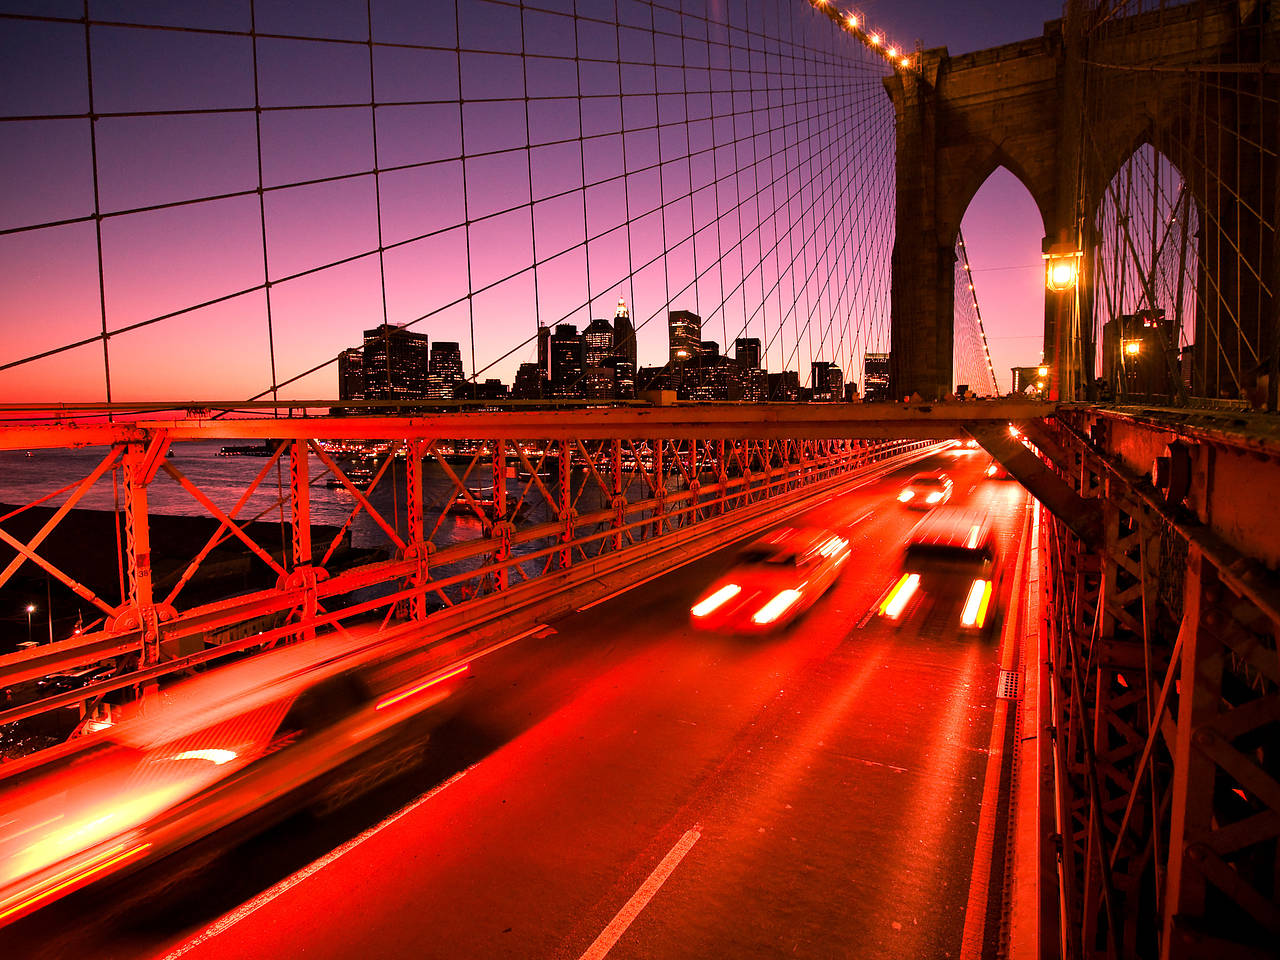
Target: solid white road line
975,913
271,893
631,909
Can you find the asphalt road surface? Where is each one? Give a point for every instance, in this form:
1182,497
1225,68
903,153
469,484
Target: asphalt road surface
625,786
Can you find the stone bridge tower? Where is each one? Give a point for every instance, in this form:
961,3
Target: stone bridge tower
1023,106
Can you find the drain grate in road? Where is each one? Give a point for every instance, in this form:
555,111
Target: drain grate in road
1010,687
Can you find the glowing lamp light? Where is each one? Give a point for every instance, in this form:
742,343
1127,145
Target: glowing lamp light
1042,371
716,600
31,608
853,20
1132,347
875,39
783,601
1062,267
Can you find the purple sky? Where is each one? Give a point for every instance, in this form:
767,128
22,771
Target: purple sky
802,246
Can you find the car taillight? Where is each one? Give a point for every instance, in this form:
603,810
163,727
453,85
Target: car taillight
780,604
716,600
70,879
906,495
418,688
975,606
900,596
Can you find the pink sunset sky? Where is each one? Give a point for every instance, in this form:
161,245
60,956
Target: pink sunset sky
792,242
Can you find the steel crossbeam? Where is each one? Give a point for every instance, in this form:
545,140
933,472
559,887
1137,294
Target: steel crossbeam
1165,692
446,519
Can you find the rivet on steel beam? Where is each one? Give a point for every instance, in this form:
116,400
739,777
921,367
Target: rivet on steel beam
1204,736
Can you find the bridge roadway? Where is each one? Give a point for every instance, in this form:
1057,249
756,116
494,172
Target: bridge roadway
814,793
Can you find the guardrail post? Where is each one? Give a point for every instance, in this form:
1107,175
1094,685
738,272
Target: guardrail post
617,501
722,475
660,485
566,503
302,573
137,474
501,530
417,548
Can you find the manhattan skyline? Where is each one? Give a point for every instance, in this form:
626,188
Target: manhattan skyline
476,191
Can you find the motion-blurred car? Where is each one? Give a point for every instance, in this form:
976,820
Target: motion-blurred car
248,743
996,471
950,557
773,581
925,491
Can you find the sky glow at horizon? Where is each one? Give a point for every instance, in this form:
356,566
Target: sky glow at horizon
762,172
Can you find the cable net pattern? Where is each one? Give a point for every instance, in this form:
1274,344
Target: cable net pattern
215,201
971,357
1180,212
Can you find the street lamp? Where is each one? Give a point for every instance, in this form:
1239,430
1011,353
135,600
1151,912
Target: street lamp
1132,347
31,608
1061,267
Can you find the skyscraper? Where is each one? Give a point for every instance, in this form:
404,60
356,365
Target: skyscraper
351,375
624,351
597,342
875,377
395,363
566,352
528,382
445,370
684,335
544,350
747,352
826,381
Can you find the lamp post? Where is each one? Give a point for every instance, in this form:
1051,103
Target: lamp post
1061,273
31,608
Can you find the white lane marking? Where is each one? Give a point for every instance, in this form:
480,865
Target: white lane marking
854,523
640,899
975,914
618,593
271,893
494,648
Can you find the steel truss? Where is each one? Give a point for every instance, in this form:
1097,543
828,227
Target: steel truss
1165,701
515,510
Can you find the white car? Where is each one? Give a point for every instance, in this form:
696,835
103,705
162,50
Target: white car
925,491
280,730
773,581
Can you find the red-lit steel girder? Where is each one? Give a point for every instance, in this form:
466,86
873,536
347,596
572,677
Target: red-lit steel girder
485,527
1165,686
